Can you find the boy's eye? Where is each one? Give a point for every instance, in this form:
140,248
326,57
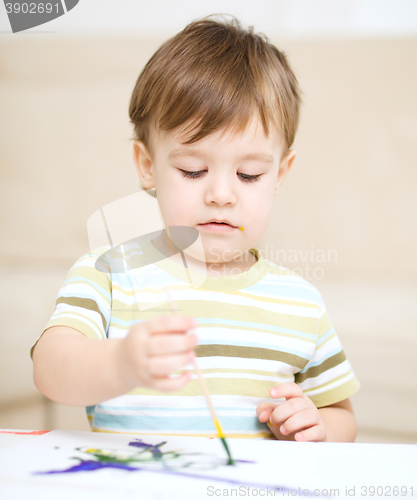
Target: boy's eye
250,178
191,175
198,173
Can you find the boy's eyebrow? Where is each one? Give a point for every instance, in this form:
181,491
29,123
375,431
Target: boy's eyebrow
183,152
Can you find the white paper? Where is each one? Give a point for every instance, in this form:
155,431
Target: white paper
273,468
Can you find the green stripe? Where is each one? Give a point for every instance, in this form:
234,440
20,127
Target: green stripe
323,387
83,318
81,271
84,303
198,308
233,371
76,324
337,394
233,351
314,371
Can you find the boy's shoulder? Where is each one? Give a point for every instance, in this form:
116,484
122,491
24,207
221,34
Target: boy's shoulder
112,258
291,282
90,268
90,258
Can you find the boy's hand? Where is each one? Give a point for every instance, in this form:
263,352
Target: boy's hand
297,419
153,349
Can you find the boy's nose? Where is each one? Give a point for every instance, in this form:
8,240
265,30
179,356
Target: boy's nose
221,193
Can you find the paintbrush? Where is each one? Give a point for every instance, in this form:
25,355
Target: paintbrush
203,386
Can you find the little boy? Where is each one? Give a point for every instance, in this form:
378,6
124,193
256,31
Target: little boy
215,112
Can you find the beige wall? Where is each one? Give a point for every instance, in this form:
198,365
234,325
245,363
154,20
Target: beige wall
350,199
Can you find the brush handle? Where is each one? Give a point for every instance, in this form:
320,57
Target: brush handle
203,386
201,380
196,368
205,391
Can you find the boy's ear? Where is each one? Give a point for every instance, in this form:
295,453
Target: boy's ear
284,168
143,164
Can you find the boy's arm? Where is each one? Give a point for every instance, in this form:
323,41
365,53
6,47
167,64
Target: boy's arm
70,368
298,418
339,421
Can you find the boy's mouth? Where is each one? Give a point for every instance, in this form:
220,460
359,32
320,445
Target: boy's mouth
219,222
218,226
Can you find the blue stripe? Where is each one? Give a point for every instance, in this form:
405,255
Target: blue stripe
89,282
163,408
194,423
256,326
123,322
143,280
90,409
325,336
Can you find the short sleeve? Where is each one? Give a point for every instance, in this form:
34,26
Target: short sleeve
84,300
328,376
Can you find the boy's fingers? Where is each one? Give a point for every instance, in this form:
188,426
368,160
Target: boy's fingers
168,384
286,410
315,433
171,343
286,390
302,420
170,323
264,410
164,365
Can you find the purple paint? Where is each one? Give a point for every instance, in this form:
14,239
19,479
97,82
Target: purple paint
157,456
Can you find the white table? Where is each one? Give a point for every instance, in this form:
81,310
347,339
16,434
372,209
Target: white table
11,437
357,470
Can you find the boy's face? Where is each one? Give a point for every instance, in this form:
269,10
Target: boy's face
223,164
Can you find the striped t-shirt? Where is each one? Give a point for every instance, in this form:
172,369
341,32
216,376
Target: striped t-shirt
256,329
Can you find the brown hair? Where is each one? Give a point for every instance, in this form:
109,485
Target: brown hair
214,75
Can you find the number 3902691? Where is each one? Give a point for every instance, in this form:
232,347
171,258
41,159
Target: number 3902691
386,491
31,8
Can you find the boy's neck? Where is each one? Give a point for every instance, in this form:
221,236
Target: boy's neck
232,267
217,269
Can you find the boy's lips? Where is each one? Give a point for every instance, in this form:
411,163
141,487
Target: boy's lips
218,221
219,227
